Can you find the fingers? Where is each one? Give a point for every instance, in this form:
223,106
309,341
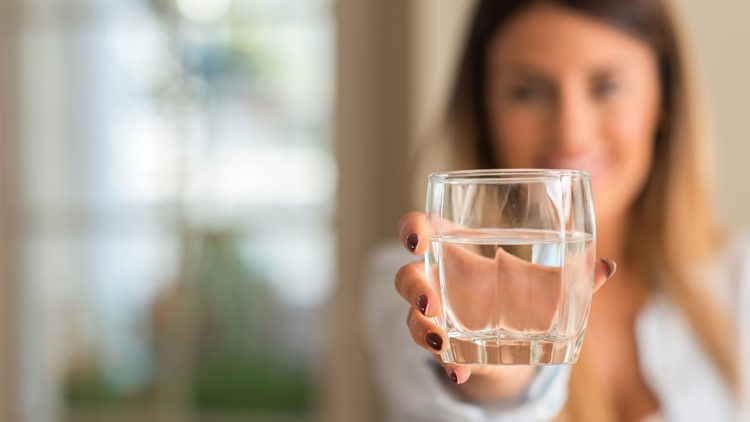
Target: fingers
413,229
412,285
458,374
605,269
425,333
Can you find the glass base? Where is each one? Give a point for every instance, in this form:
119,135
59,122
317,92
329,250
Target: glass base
513,351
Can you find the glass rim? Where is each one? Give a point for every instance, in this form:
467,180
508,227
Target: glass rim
509,175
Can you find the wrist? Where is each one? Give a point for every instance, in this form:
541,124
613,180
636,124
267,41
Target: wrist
496,383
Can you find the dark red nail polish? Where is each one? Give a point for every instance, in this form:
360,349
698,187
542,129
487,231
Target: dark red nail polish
454,377
422,302
412,241
434,340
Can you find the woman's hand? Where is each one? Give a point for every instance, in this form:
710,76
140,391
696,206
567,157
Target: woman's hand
479,382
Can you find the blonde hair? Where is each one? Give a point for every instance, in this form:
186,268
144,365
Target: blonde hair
675,232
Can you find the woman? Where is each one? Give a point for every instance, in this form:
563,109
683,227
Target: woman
601,86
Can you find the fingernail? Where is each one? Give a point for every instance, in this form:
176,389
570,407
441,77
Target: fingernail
422,302
454,377
433,340
611,265
412,240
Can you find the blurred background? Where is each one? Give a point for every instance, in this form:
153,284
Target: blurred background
190,189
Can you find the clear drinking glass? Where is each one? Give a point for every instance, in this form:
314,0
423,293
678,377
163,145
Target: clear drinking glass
512,254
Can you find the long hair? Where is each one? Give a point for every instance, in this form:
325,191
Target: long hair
675,230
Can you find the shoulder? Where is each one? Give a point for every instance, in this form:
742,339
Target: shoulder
736,259
736,246
731,270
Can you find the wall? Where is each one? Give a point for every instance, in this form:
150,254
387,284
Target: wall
720,32
10,248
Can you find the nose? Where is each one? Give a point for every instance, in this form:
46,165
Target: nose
574,120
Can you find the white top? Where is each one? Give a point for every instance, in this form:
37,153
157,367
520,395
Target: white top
674,366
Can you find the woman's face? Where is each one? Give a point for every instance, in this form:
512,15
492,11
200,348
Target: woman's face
568,91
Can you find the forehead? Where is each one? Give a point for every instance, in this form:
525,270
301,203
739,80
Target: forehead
556,39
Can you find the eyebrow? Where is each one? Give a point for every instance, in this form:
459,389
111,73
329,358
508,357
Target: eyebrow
523,69
532,72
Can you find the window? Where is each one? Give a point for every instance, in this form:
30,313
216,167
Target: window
179,185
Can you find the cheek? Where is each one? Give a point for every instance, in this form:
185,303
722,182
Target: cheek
632,132
517,137
630,135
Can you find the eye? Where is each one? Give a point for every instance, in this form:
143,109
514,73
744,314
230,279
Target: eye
526,93
604,89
